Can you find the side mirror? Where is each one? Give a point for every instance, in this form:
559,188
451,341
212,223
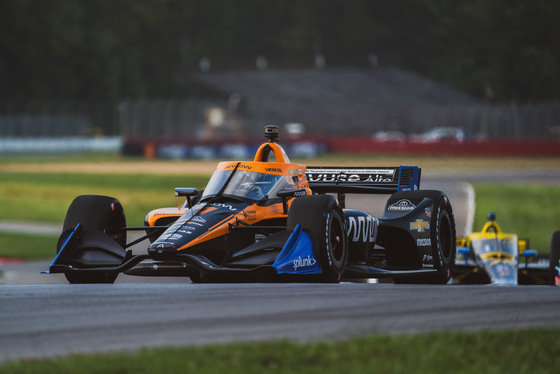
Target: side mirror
287,193
187,192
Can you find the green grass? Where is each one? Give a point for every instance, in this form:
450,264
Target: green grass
27,247
530,211
527,351
45,197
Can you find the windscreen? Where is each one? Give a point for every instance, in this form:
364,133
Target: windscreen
247,184
495,245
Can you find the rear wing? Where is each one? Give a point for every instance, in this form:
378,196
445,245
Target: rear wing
372,180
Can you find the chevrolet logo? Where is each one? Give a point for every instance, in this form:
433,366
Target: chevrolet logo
419,225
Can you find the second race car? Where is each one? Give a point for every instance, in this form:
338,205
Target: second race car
270,220
492,256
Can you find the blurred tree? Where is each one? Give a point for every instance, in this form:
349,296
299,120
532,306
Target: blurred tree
113,49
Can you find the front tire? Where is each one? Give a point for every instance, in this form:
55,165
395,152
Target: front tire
321,216
96,213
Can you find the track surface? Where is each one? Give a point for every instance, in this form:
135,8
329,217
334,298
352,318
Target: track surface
46,320
52,320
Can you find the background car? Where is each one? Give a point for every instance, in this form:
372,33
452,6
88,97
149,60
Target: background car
440,134
494,257
555,258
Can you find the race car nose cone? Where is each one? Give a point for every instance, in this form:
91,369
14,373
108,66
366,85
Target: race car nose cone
162,249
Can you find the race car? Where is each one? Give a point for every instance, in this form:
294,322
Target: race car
494,257
555,258
270,220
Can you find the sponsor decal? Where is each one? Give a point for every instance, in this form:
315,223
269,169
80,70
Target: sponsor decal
276,170
259,237
176,236
247,213
226,206
351,175
292,171
402,205
428,211
165,214
385,172
362,229
426,242
240,167
503,270
419,225
427,259
375,178
300,172
299,193
197,219
304,262
165,245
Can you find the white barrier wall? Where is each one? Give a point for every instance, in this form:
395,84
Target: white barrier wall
60,144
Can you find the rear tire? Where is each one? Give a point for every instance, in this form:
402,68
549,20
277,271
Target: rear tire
96,213
554,255
445,238
321,216
442,235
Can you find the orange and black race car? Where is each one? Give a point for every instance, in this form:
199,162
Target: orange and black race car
270,220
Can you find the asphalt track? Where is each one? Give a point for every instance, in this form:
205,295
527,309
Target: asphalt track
47,320
55,320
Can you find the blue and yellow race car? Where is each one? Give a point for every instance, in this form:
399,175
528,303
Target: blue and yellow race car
492,256
555,258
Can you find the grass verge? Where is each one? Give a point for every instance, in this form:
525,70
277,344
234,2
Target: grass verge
45,197
27,247
527,351
530,211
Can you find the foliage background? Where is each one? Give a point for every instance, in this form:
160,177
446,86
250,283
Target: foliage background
115,49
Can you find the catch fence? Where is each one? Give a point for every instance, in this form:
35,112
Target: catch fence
200,119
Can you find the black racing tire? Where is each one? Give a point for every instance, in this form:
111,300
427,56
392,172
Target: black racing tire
442,235
97,213
554,255
445,237
90,278
321,216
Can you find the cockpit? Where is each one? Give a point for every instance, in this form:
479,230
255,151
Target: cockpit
246,184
